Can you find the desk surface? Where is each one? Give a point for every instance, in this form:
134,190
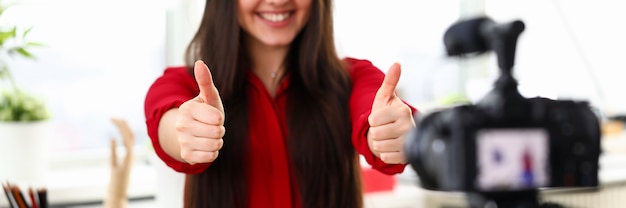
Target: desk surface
612,177
89,183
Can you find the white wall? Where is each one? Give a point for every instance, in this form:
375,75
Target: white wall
570,49
406,31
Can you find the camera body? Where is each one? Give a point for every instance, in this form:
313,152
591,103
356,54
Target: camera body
510,144
504,143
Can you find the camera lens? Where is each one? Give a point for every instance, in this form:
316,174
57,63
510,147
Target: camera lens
438,146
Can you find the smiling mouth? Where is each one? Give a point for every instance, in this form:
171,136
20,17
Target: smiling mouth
275,17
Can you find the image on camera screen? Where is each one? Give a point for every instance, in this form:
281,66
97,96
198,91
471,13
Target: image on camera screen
511,159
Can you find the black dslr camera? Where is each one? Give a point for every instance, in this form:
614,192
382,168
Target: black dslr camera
505,147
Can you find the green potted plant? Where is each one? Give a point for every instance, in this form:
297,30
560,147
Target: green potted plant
24,126
16,104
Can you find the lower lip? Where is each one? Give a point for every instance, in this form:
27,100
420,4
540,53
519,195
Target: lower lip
276,24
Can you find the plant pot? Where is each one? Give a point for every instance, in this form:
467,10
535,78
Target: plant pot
24,152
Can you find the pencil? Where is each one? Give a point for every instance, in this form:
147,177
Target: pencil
18,197
33,201
43,198
9,194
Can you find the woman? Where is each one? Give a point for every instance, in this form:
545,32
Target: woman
279,119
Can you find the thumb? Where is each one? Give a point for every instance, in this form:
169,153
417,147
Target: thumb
208,91
387,89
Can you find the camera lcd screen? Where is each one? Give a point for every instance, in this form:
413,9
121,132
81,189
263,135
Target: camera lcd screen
511,159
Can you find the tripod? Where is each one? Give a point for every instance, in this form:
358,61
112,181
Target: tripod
517,199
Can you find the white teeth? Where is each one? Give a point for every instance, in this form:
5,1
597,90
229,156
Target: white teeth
274,17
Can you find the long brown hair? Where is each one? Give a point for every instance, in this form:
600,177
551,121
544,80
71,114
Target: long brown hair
325,164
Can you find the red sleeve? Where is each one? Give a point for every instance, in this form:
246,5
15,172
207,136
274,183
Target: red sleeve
366,79
169,91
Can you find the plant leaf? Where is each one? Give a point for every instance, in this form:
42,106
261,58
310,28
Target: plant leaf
26,32
35,44
19,105
24,53
14,31
5,35
3,74
4,7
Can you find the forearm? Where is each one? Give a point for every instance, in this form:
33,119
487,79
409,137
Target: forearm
168,138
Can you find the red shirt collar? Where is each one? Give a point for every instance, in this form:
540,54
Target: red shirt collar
257,83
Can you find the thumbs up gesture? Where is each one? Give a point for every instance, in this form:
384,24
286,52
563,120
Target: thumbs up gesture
389,121
200,126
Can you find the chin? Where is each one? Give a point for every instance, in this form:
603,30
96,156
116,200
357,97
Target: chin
277,45
278,42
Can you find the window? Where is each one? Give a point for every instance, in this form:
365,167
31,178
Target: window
101,56
99,60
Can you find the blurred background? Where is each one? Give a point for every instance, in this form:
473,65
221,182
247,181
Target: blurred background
100,57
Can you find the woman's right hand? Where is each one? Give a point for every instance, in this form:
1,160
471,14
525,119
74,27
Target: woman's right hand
200,125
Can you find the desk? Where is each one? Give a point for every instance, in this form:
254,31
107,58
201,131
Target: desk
88,184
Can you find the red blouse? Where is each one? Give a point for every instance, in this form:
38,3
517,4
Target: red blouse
271,181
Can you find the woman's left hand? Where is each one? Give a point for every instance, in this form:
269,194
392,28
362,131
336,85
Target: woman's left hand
389,121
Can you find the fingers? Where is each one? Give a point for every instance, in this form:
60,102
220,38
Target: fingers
199,149
208,91
203,78
393,157
195,157
387,89
201,127
201,130
202,113
389,122
388,145
113,153
389,114
387,141
194,135
199,142
127,134
390,151
389,131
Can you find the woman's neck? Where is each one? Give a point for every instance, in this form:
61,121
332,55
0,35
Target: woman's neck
266,59
268,64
